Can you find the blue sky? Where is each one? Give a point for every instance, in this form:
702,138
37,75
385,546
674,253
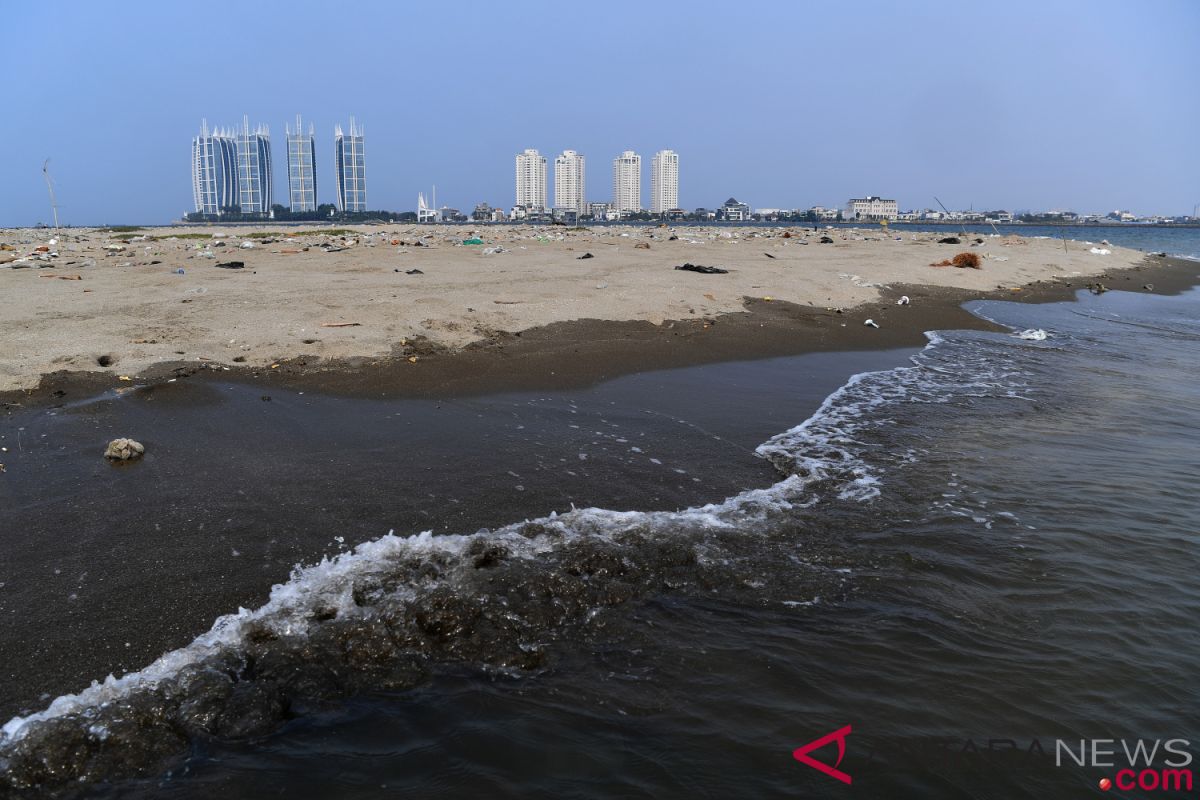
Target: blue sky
1026,105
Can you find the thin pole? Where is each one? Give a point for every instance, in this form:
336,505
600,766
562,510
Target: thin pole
50,187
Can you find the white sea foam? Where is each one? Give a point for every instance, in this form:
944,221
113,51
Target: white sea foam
824,448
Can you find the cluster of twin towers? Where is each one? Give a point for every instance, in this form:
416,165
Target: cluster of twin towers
231,170
570,191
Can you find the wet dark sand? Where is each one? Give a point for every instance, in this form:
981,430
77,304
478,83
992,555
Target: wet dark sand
586,351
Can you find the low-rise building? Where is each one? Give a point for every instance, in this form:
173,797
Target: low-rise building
734,211
870,208
600,211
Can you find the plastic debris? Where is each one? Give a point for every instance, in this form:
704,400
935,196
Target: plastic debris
124,450
585,255
870,323
1033,335
1100,251
949,240
338,325
473,241
903,301
232,265
247,245
702,269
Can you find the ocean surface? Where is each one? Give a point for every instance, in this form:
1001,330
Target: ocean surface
963,553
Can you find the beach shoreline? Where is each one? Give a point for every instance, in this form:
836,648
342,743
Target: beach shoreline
539,337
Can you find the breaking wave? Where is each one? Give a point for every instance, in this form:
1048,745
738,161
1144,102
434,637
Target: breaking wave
380,617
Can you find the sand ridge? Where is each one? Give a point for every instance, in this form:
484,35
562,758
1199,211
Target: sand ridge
347,293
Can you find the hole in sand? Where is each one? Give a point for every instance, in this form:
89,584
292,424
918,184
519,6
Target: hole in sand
106,360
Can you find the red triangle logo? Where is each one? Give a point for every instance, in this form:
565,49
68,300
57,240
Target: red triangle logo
801,754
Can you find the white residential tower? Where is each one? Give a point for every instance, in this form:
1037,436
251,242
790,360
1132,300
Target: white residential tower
664,181
569,193
627,182
531,180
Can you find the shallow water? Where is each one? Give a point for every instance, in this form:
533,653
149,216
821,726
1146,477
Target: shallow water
996,542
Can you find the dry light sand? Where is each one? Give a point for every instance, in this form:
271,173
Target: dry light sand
131,310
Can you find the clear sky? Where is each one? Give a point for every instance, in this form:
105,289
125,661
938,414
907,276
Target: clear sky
1091,106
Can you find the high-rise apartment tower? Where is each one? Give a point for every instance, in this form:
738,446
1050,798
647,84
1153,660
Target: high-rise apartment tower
531,180
627,182
569,190
301,163
664,181
351,166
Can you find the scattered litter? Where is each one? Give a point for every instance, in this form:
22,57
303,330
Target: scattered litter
413,271
123,450
585,255
1097,288
702,269
903,301
64,277
710,296
491,251
232,265
412,359
601,285
826,240
1149,287
179,271
768,255
473,241
949,240
1032,334
1100,251
642,246
247,245
871,323
340,324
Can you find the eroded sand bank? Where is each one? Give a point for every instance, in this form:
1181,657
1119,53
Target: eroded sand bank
131,309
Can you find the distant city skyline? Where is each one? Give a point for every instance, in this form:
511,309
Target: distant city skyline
1089,106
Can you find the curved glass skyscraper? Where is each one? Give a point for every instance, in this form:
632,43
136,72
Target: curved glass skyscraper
351,166
302,160
214,172
254,169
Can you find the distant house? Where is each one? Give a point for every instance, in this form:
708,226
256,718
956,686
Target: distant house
871,209
600,211
733,211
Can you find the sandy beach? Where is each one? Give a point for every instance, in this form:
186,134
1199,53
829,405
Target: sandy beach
111,307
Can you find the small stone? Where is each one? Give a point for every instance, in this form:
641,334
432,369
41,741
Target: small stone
124,450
